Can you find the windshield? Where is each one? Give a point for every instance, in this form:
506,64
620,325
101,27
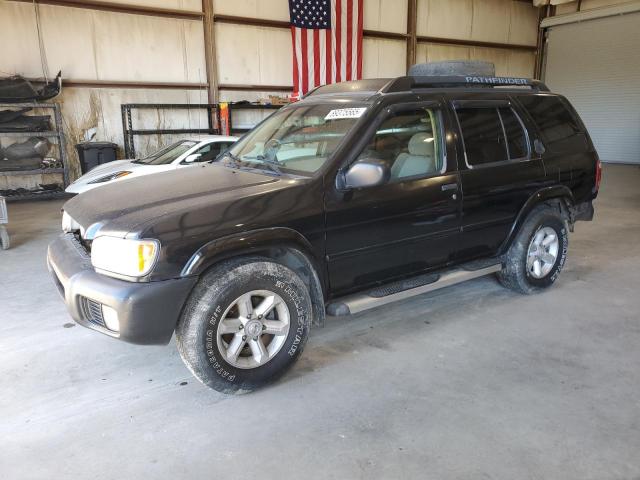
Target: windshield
297,140
167,154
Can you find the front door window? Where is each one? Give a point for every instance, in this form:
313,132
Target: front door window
409,143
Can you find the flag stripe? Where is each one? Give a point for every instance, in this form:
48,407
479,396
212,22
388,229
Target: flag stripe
359,41
296,80
310,61
333,50
305,61
338,28
316,58
348,41
343,39
300,64
328,58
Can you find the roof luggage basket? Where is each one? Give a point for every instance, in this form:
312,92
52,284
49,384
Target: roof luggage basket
403,84
446,74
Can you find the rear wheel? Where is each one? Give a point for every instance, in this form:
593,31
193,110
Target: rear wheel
538,252
244,325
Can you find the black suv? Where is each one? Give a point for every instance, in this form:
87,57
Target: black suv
361,194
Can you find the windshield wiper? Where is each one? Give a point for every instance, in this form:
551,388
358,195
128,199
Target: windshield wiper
272,165
235,161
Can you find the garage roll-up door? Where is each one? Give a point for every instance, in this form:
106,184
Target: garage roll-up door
596,65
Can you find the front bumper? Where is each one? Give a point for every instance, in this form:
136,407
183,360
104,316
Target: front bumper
147,311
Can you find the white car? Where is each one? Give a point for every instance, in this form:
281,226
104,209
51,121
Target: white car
183,153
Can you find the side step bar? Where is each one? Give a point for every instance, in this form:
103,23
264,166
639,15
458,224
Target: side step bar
360,302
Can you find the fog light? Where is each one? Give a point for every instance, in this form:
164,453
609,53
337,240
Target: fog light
110,317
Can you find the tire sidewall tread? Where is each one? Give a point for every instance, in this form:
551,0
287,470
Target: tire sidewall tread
514,273
196,332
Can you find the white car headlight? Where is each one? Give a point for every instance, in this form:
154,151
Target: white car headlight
122,256
111,176
69,224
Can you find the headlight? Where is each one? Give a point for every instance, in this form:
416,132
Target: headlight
132,258
108,178
69,224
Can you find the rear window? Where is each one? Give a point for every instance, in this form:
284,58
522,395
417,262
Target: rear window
483,133
559,128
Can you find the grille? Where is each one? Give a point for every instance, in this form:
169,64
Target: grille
92,311
80,245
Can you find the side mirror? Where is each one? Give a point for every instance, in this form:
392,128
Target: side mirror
192,158
538,146
368,172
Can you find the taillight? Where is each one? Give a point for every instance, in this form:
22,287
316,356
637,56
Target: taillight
598,174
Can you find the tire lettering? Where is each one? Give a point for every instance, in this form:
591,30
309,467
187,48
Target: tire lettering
215,364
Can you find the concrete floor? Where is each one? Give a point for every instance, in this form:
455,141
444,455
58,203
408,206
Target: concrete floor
470,382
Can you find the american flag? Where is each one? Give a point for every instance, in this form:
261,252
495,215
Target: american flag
327,42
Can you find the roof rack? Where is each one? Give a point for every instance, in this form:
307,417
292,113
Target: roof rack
403,84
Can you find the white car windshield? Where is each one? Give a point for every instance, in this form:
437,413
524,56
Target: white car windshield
297,139
167,154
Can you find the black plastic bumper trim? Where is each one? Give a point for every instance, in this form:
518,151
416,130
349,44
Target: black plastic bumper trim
148,311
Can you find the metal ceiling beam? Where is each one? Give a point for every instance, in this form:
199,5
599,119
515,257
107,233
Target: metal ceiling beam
121,8
475,43
211,64
71,83
412,32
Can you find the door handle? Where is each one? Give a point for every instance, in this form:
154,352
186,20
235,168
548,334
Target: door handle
449,186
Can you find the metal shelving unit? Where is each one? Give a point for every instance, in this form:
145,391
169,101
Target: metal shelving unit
57,133
27,134
38,171
213,119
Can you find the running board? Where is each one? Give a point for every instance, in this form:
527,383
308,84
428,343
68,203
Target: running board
393,292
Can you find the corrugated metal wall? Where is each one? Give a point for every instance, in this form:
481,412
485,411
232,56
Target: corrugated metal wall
98,45
481,20
595,64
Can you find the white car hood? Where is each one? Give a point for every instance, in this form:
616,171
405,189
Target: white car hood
84,182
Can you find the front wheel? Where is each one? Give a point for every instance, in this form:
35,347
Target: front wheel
244,325
538,252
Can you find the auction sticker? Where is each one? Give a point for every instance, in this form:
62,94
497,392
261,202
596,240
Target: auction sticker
345,113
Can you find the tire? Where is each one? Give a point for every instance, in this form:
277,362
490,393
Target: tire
231,296
519,272
5,241
459,67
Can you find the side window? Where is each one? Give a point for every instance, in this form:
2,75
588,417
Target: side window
211,151
552,117
222,147
516,137
206,153
483,135
409,142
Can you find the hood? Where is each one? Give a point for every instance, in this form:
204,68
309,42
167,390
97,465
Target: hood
131,205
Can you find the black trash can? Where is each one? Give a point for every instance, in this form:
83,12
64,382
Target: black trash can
92,154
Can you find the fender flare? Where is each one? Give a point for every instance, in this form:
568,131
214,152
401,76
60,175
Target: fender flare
560,192
255,241
244,243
